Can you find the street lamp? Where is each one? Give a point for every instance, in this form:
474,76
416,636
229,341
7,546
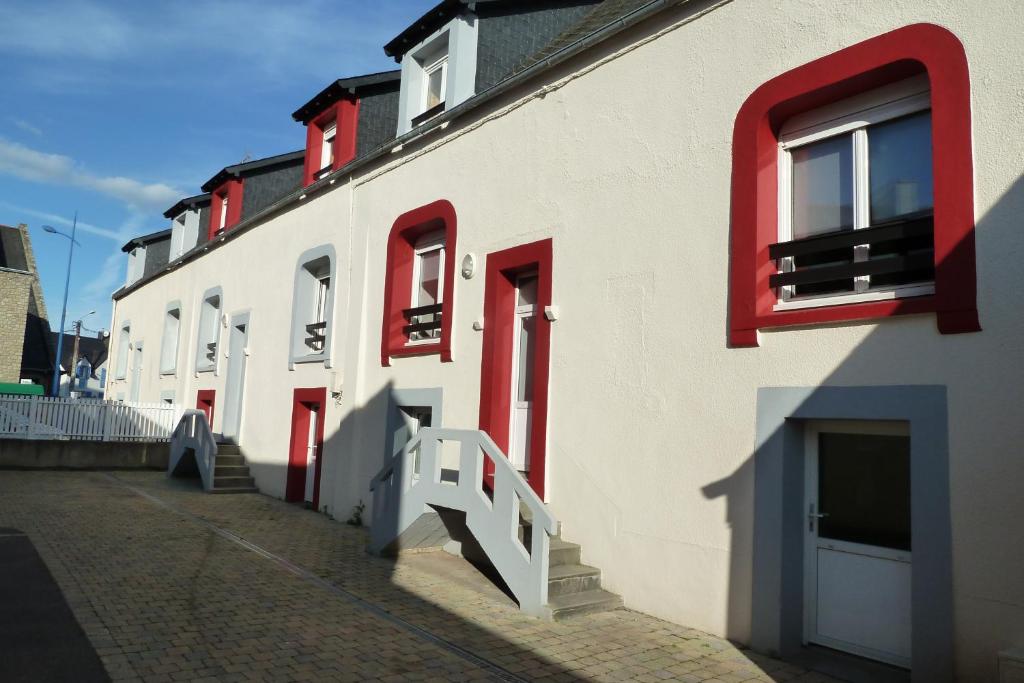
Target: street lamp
64,309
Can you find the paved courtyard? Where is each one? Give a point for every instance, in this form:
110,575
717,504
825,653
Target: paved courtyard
172,584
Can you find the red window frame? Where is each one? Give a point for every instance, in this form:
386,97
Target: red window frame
344,114
887,58
232,189
408,228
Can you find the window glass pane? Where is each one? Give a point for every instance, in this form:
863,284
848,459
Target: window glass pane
524,383
527,291
823,187
864,489
435,82
900,166
430,270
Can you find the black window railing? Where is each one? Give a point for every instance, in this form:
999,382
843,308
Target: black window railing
424,322
211,352
428,114
900,252
317,336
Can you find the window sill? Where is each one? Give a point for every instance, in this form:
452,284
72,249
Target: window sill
416,349
169,373
862,297
436,110
310,359
205,369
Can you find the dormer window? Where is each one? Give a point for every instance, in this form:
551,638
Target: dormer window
225,207
436,76
327,149
330,139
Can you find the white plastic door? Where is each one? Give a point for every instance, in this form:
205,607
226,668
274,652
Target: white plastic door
523,342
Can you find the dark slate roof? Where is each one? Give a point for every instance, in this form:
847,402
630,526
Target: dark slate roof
146,239
344,86
435,18
235,171
601,16
95,350
187,203
12,249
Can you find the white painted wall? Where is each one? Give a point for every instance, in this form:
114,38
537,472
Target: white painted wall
647,406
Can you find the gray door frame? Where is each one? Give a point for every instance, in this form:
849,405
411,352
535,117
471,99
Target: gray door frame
234,382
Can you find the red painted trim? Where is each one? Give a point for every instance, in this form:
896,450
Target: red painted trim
344,114
295,485
861,67
232,189
205,401
496,366
439,215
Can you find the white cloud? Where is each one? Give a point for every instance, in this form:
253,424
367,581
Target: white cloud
27,127
120,236
30,164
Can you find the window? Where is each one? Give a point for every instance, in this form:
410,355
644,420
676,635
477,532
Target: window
136,264
169,345
438,73
855,198
427,290
209,331
852,196
313,306
327,149
330,137
418,283
123,342
225,207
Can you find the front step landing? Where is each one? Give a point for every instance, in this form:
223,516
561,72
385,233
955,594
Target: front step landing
230,473
574,589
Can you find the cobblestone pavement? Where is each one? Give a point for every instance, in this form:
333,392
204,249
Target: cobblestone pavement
173,584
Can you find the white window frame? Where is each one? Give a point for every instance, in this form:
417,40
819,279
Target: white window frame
223,212
124,335
206,336
426,244
170,341
330,134
438,62
853,115
312,303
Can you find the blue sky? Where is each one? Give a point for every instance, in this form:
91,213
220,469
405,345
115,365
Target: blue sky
117,109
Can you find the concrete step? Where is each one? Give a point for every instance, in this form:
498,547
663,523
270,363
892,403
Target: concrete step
240,489
223,460
578,604
230,470
563,552
233,482
566,579
228,449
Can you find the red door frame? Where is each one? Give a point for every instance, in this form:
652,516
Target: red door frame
205,400
295,485
496,366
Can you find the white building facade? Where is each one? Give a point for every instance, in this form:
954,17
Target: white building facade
636,268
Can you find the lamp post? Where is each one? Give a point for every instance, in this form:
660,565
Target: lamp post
55,389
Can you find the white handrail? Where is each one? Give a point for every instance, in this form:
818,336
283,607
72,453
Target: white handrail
404,488
194,436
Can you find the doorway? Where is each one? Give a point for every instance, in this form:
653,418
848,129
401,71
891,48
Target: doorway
305,458
516,353
857,546
136,372
234,386
205,399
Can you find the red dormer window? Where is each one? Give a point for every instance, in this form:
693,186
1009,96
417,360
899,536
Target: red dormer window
330,140
225,207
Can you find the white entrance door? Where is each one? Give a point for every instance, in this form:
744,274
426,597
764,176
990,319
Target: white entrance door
857,548
235,385
136,371
523,341
314,415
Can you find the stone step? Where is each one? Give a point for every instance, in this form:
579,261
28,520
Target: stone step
223,460
233,482
566,579
578,604
563,552
230,470
240,489
228,449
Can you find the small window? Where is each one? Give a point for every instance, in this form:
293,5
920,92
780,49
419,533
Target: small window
435,77
169,345
327,149
123,342
209,333
313,305
223,213
856,206
427,289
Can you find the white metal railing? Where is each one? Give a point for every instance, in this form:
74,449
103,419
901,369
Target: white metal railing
408,484
194,436
84,419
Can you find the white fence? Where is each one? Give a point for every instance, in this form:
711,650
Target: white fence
83,419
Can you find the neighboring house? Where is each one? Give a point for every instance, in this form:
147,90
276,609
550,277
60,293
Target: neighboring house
732,286
24,328
90,367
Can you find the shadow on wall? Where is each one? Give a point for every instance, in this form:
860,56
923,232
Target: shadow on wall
765,496
373,579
